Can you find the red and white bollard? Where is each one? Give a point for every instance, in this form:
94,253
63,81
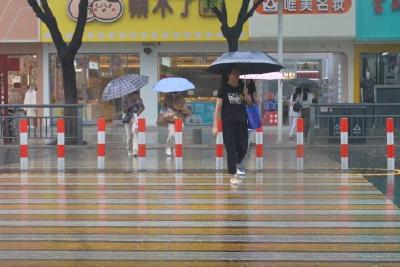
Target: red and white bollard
23,140
344,143
60,145
259,149
219,148
390,151
300,144
178,144
101,143
142,143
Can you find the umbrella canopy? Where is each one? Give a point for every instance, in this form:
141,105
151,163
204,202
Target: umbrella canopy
173,84
264,76
123,86
246,62
302,82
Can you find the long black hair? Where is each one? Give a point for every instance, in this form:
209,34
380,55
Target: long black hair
297,93
305,93
225,76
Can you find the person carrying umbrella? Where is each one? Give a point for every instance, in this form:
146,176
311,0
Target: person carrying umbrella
174,109
127,87
231,108
133,106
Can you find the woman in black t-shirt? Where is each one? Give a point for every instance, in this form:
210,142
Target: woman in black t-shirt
231,108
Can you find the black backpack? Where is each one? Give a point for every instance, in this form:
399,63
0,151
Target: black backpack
296,105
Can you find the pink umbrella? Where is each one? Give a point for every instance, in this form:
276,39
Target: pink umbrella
264,76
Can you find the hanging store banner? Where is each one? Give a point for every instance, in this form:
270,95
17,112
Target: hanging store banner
298,7
144,20
311,18
377,20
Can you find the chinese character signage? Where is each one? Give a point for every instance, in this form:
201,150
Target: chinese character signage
378,5
305,7
377,20
143,20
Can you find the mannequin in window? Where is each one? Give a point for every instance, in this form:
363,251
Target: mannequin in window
367,88
30,99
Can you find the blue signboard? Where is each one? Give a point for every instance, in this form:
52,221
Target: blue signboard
202,113
377,20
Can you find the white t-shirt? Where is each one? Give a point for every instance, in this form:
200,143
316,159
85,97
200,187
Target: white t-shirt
306,103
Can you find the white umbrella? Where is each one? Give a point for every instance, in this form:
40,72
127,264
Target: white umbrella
173,84
264,76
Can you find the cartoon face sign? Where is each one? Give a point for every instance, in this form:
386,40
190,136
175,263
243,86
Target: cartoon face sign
107,10
73,10
100,10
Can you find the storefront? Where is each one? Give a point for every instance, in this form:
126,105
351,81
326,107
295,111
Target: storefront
20,53
318,44
377,53
188,42
131,42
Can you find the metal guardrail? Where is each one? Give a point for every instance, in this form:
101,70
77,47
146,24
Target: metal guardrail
41,126
367,121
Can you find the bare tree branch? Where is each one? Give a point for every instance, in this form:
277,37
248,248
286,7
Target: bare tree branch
251,11
221,14
43,12
46,8
38,10
76,41
242,11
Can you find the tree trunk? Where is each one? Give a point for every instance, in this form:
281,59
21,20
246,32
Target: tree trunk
233,43
71,97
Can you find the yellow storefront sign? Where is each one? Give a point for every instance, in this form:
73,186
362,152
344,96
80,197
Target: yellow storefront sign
143,20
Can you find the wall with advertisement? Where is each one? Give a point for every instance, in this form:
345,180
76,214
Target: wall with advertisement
378,20
152,20
310,18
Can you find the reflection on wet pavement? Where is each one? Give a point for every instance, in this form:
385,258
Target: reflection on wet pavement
388,184
125,218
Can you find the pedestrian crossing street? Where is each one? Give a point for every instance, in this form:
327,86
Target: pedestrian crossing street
161,218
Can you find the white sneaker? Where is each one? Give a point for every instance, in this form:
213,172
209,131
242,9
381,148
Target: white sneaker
240,171
168,151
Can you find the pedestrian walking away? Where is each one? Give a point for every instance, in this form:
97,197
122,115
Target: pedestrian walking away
305,103
252,98
231,108
294,111
132,107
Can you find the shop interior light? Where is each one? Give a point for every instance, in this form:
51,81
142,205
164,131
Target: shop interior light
385,53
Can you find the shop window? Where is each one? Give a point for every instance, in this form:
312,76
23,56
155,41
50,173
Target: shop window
21,72
193,67
93,73
383,68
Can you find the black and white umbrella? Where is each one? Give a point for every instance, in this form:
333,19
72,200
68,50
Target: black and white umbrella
247,63
123,86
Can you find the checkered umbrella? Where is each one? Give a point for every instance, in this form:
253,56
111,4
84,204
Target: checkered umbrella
123,86
247,62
